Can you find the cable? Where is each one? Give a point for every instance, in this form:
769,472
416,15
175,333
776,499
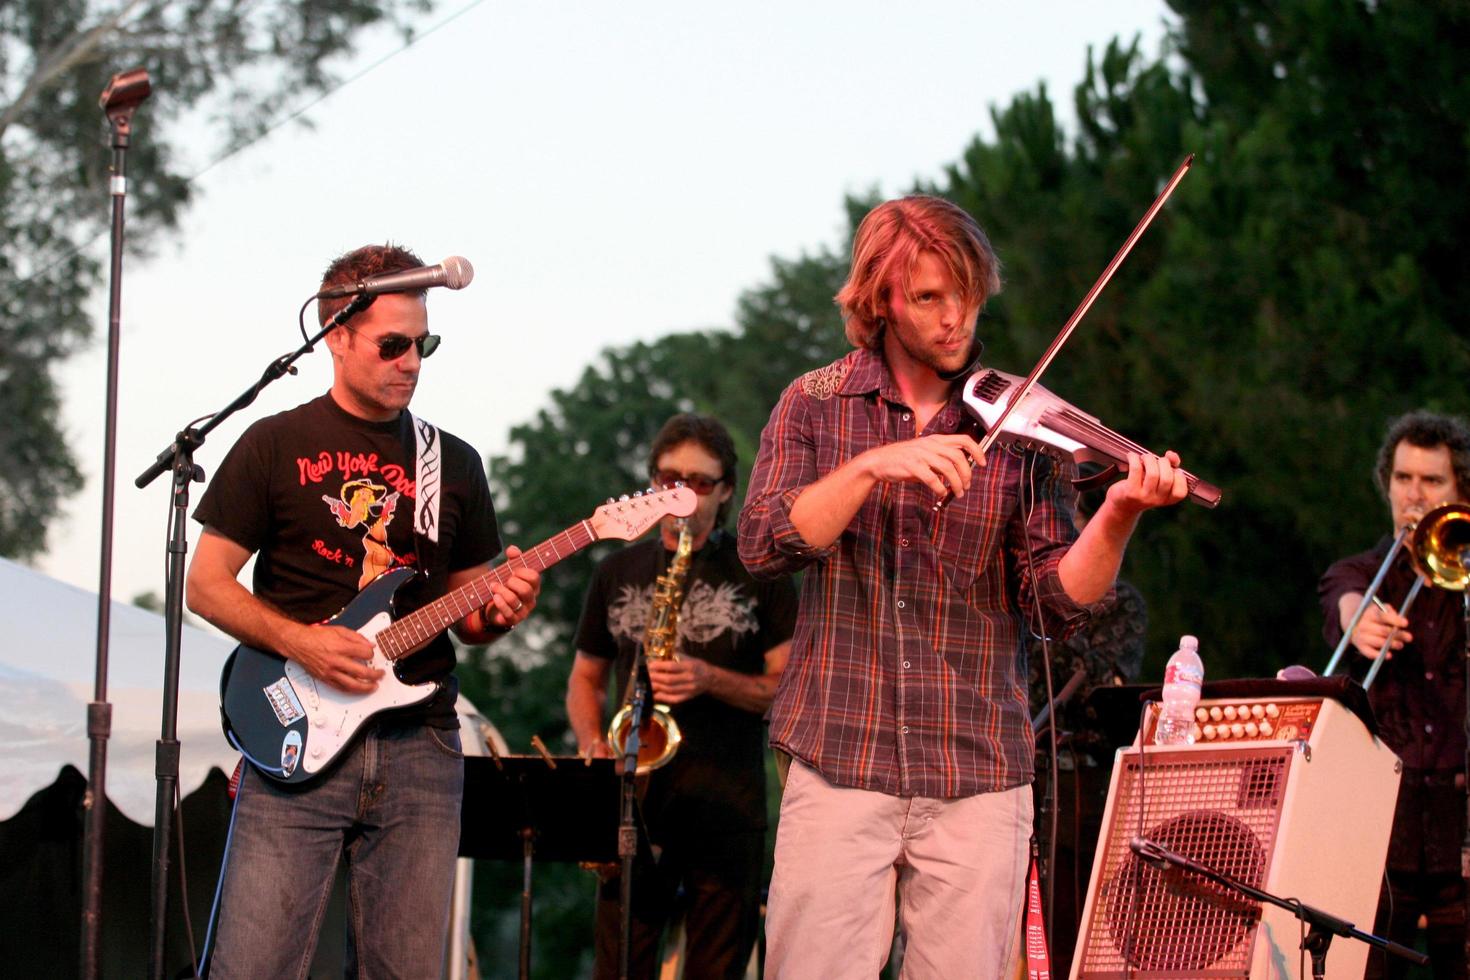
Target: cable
184,880
1130,924
263,133
296,114
1049,799
219,885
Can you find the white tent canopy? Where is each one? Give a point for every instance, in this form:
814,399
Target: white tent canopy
48,662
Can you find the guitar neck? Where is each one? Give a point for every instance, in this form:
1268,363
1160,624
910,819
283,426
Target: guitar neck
407,634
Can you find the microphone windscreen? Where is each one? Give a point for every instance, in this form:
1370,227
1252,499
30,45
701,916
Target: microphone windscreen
457,272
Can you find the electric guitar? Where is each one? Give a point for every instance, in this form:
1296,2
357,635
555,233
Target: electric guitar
292,727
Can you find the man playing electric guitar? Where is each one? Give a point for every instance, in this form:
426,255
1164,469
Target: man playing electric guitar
328,496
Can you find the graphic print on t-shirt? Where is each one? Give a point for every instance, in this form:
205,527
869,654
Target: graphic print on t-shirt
363,503
708,612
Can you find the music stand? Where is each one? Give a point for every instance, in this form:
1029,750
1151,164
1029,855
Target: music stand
521,807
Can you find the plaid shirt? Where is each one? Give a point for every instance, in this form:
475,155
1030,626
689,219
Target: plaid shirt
908,672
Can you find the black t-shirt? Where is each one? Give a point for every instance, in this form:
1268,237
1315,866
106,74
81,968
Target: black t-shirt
716,781
326,501
1418,698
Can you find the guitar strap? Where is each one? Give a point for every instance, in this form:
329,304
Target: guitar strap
428,478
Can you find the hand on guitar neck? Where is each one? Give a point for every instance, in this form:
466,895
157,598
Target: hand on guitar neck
511,600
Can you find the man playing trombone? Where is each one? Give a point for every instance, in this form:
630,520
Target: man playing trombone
1418,694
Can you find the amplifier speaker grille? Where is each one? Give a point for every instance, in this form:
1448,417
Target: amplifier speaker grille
1221,809
1304,816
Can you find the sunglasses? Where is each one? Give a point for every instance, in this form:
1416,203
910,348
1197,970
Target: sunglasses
394,346
698,482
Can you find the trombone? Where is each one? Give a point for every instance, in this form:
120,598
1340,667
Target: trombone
1439,547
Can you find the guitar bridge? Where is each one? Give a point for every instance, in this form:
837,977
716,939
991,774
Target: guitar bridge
283,702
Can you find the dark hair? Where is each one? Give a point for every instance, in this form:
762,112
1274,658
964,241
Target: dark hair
711,435
1426,430
363,263
887,247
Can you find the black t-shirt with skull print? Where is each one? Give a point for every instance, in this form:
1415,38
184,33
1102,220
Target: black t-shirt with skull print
716,781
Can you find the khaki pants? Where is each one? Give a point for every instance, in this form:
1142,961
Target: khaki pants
848,859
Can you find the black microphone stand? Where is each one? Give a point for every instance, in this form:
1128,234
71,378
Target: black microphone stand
1321,927
627,827
124,93
1465,844
179,457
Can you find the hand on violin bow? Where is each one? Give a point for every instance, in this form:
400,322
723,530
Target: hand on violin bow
941,462
1151,481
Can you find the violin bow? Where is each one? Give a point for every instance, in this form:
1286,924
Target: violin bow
1084,306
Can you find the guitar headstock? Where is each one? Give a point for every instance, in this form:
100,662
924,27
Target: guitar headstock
629,516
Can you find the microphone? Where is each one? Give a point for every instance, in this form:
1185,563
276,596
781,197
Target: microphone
454,272
1151,854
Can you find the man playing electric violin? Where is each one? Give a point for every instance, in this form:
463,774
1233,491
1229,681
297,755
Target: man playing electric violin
904,701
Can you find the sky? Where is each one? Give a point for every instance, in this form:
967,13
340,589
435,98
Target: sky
614,172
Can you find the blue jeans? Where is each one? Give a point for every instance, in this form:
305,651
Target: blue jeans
392,808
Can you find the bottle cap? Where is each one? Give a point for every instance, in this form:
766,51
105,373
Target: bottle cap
1187,642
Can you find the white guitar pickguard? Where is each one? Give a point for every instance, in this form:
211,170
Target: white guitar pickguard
334,716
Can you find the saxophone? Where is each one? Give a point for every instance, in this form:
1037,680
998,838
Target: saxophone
658,736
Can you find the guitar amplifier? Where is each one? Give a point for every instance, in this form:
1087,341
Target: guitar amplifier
1292,796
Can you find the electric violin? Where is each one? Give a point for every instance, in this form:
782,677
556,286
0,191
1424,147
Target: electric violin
1017,410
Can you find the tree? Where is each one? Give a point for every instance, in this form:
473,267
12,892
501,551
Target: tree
590,443
56,56
1303,285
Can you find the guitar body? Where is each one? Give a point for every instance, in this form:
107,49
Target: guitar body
291,726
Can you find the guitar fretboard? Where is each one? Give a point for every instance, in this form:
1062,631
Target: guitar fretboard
405,635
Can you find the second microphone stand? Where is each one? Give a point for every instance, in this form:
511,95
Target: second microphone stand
627,824
1321,926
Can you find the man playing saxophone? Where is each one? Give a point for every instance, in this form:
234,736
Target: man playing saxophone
705,809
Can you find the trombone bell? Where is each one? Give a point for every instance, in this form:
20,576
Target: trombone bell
1440,547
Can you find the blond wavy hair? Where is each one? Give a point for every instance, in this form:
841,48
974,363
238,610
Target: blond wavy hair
887,247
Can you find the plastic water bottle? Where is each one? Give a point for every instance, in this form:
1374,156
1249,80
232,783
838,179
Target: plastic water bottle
1182,679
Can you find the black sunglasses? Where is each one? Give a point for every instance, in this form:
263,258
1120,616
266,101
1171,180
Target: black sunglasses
394,346
698,482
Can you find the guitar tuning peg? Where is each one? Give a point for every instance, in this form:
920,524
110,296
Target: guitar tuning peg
637,493
612,500
623,498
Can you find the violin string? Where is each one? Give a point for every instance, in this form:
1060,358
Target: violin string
1096,430
1098,435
